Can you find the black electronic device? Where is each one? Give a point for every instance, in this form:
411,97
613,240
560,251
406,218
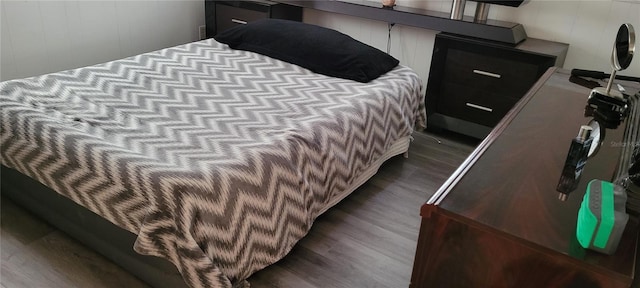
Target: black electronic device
608,111
575,162
601,75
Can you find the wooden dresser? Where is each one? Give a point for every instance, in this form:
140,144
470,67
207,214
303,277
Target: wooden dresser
497,221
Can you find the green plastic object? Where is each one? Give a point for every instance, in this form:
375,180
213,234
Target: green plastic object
602,217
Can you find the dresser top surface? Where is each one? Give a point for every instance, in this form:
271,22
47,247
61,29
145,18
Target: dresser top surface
508,183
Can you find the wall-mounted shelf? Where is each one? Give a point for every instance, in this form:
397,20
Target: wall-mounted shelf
501,31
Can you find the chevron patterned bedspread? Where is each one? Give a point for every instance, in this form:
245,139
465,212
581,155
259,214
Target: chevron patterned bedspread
219,160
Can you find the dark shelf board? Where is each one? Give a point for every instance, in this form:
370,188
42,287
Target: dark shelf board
506,32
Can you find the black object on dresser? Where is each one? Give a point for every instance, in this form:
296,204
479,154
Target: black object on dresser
222,15
473,83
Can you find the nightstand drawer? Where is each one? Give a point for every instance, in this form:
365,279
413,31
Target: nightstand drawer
490,74
230,16
467,103
221,15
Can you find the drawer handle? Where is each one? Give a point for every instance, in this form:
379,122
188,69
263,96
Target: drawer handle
485,73
479,107
238,21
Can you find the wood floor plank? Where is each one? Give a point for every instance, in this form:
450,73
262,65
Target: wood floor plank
384,210
20,228
59,261
35,254
366,240
385,266
278,277
327,272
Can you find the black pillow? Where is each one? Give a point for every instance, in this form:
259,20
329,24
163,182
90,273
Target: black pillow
316,48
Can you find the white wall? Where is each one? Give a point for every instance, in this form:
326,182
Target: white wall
39,37
45,36
588,26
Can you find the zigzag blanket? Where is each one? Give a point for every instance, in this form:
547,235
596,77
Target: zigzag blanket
218,159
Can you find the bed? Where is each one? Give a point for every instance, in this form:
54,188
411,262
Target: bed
214,159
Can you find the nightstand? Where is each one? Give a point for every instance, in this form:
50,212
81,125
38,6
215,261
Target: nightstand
222,15
473,83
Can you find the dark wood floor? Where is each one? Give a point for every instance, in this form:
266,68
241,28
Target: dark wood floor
367,240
